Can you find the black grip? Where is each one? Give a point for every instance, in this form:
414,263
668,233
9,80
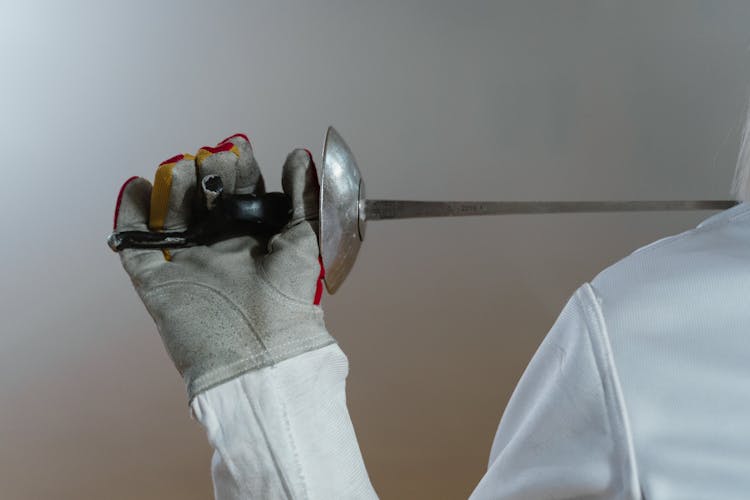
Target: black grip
266,213
229,216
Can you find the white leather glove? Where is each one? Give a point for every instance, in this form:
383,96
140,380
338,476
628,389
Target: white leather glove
239,304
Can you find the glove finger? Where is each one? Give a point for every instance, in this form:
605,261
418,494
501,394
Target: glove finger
173,194
299,180
249,178
131,214
131,210
293,263
219,160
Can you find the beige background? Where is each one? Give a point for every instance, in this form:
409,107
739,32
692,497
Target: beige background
513,100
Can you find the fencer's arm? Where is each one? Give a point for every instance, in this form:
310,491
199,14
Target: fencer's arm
565,433
241,321
284,432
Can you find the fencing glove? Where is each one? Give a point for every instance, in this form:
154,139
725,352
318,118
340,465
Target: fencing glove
239,304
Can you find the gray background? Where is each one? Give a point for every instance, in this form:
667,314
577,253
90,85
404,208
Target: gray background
514,100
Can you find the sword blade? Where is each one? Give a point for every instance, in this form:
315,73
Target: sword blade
407,209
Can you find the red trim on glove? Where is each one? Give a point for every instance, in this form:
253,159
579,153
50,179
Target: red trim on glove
119,199
233,136
319,287
173,159
322,275
314,168
219,148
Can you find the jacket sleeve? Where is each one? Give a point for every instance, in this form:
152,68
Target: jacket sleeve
284,432
564,433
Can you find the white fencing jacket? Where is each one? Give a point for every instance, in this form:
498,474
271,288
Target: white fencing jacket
640,390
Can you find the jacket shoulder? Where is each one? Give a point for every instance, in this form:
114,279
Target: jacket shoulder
668,272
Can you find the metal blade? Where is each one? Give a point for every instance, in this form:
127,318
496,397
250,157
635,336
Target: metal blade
406,209
345,210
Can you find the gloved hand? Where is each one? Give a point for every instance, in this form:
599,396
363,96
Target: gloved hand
239,304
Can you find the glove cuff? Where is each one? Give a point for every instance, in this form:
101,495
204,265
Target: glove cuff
309,339
213,338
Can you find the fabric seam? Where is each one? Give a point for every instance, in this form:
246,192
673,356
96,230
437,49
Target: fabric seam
227,372
231,466
288,486
263,274
224,373
616,407
290,437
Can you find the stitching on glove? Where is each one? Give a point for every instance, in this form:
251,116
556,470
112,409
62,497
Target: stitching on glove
220,375
266,279
267,353
307,308
218,292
